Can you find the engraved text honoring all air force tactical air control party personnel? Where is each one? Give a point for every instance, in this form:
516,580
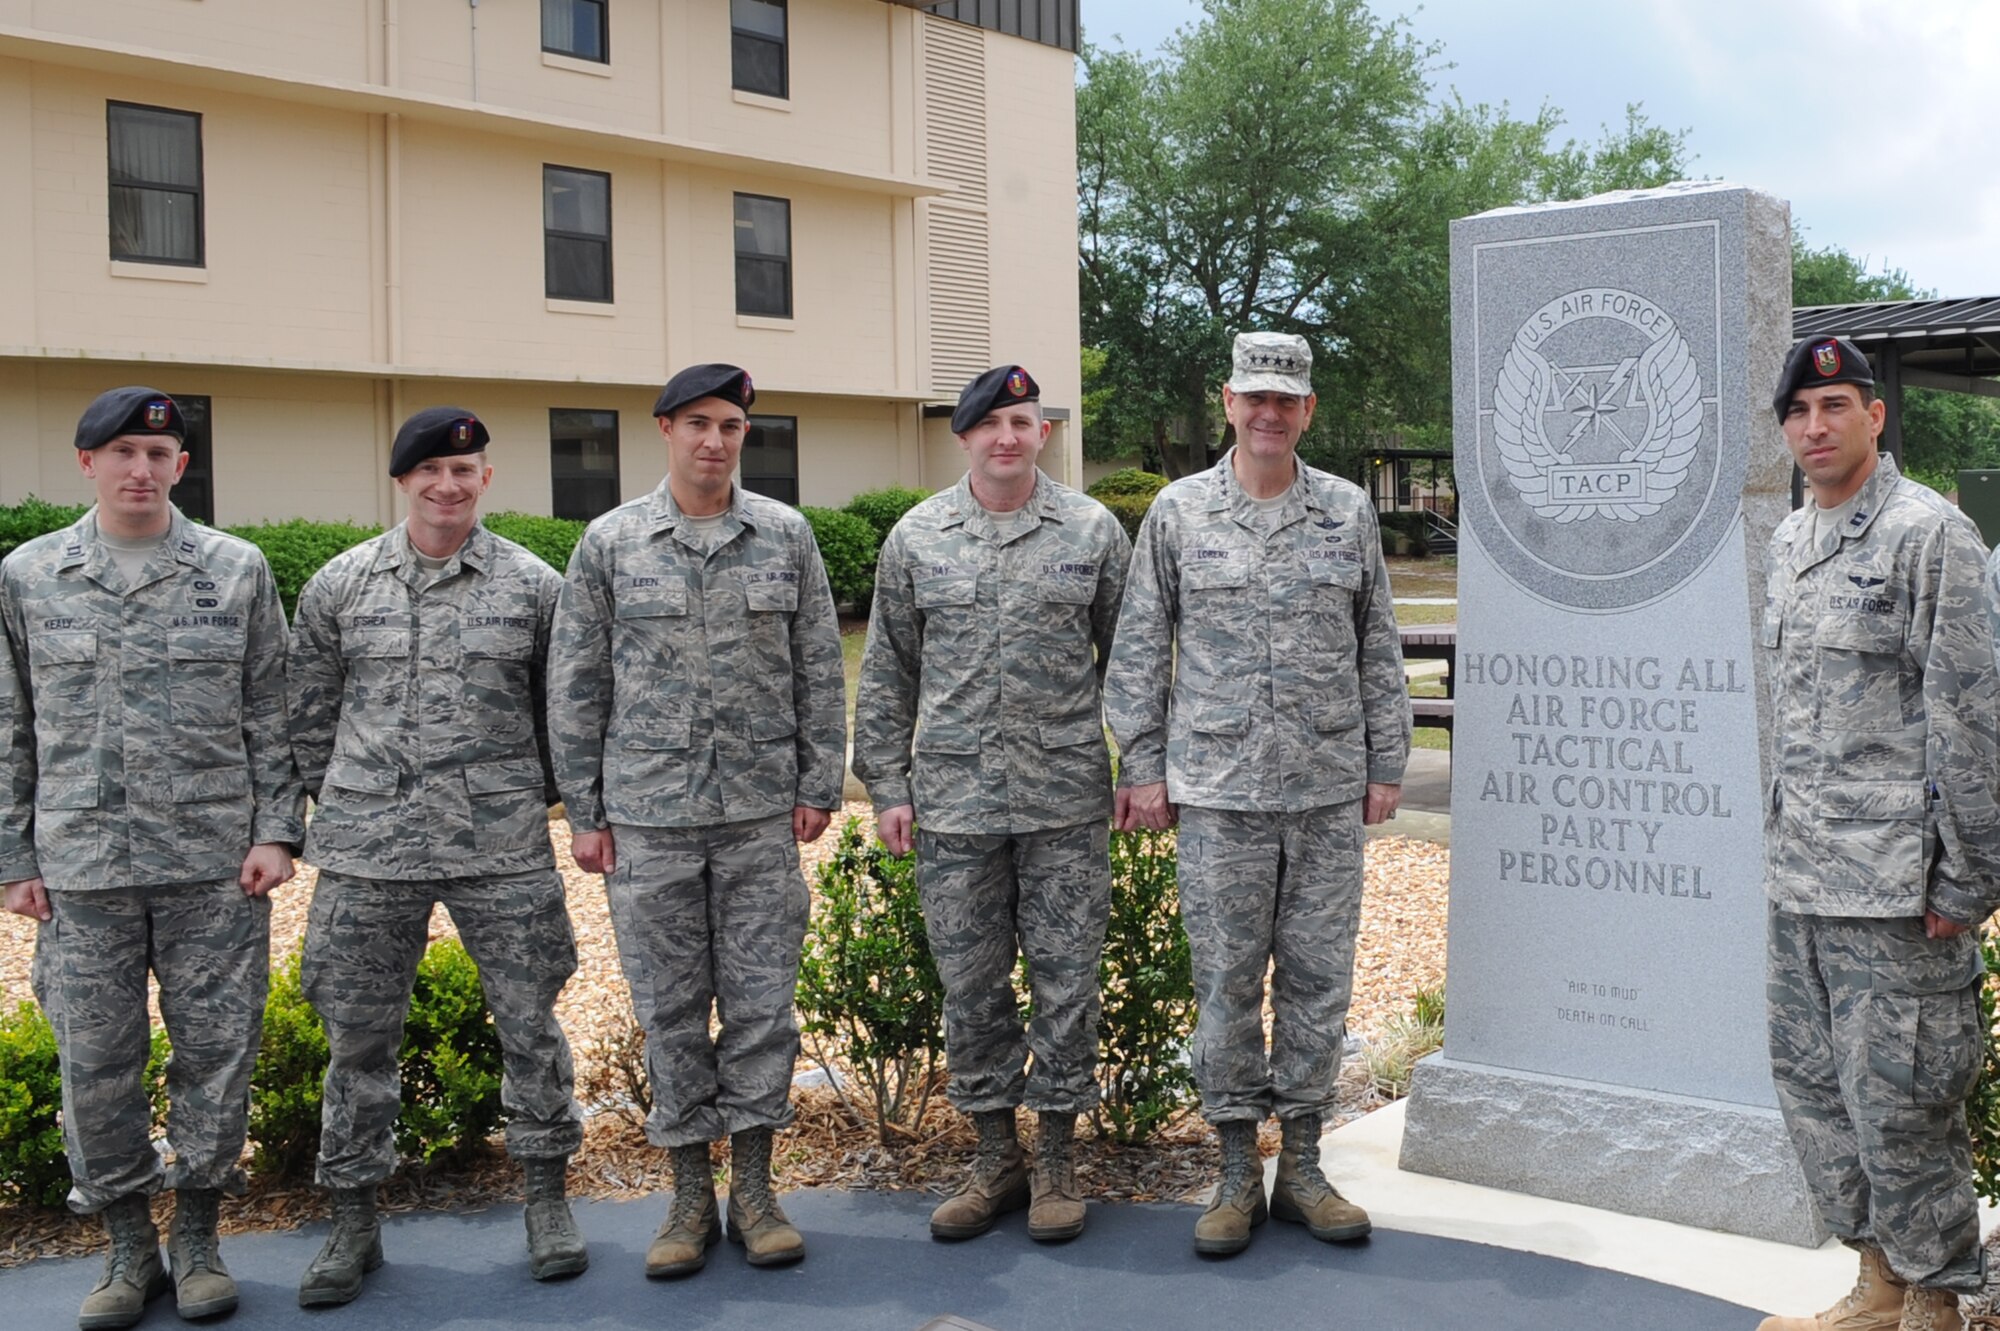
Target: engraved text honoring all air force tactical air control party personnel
1604,1038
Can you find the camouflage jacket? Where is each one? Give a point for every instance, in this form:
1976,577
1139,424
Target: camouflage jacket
1883,749
696,676
147,721
1255,671
418,716
991,654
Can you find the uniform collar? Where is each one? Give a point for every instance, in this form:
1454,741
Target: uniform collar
963,509
665,515
82,548
1868,502
1227,495
397,551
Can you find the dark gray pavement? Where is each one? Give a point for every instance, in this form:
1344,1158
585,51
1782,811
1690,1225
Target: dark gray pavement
1427,781
873,1267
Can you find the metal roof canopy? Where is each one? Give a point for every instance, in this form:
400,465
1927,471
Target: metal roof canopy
1950,345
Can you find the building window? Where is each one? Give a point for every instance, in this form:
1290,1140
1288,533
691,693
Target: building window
579,28
155,175
576,233
770,461
757,47
763,256
583,462
194,492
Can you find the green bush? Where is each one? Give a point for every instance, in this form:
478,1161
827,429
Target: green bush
33,517
1147,983
869,991
883,509
1405,534
33,1167
298,549
849,547
451,1061
1128,481
1404,1039
291,1071
550,538
1982,1107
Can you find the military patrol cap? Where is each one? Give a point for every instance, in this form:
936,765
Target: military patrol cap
1821,360
436,432
1001,386
728,382
134,410
1271,363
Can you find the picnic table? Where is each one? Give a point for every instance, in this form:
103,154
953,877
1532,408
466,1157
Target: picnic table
1432,642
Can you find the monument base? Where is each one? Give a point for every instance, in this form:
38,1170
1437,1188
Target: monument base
1693,1162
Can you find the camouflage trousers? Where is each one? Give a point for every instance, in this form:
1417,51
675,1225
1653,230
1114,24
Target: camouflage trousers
364,939
209,945
1280,891
1051,892
1875,1043
711,919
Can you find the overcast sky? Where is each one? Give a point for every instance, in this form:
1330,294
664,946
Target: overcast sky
1868,118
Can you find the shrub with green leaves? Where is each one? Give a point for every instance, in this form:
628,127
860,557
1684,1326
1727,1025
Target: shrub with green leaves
285,1091
298,549
1982,1107
883,509
1402,1041
849,547
1147,982
869,992
451,1061
33,1167
550,538
34,517
1129,494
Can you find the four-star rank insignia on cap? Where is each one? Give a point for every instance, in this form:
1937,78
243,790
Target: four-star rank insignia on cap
1826,359
1017,383
158,413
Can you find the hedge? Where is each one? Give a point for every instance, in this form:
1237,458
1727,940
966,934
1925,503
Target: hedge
849,546
1128,493
883,509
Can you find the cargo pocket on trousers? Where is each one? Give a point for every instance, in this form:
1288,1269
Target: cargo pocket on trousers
1923,1049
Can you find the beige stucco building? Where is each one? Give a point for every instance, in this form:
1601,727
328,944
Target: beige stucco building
309,218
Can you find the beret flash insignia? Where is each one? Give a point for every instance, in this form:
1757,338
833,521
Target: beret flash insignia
1017,384
158,413
461,433
1826,359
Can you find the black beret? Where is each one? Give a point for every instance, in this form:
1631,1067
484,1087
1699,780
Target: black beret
999,386
436,432
1820,360
135,410
728,382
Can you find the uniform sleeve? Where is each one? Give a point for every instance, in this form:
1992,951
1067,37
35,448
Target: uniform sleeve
1951,633
17,801
579,684
278,796
819,687
1385,693
316,679
548,590
885,704
1139,679
1113,568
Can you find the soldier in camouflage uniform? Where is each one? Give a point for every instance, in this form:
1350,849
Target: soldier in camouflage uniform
1882,837
1256,693
979,718
151,806
417,686
698,718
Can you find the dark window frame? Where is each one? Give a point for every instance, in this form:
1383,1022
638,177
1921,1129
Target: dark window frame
199,191
784,45
557,478
790,257
603,34
762,421
198,410
552,233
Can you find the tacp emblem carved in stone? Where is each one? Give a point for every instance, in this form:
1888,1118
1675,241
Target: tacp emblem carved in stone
1598,441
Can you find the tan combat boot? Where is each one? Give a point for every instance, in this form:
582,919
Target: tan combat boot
693,1225
1301,1194
1874,1304
353,1248
133,1274
755,1219
202,1284
999,1181
1931,1310
1056,1212
555,1244
1224,1228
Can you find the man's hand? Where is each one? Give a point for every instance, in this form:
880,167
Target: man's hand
1381,802
29,897
1137,807
1935,925
268,865
594,852
894,827
807,824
